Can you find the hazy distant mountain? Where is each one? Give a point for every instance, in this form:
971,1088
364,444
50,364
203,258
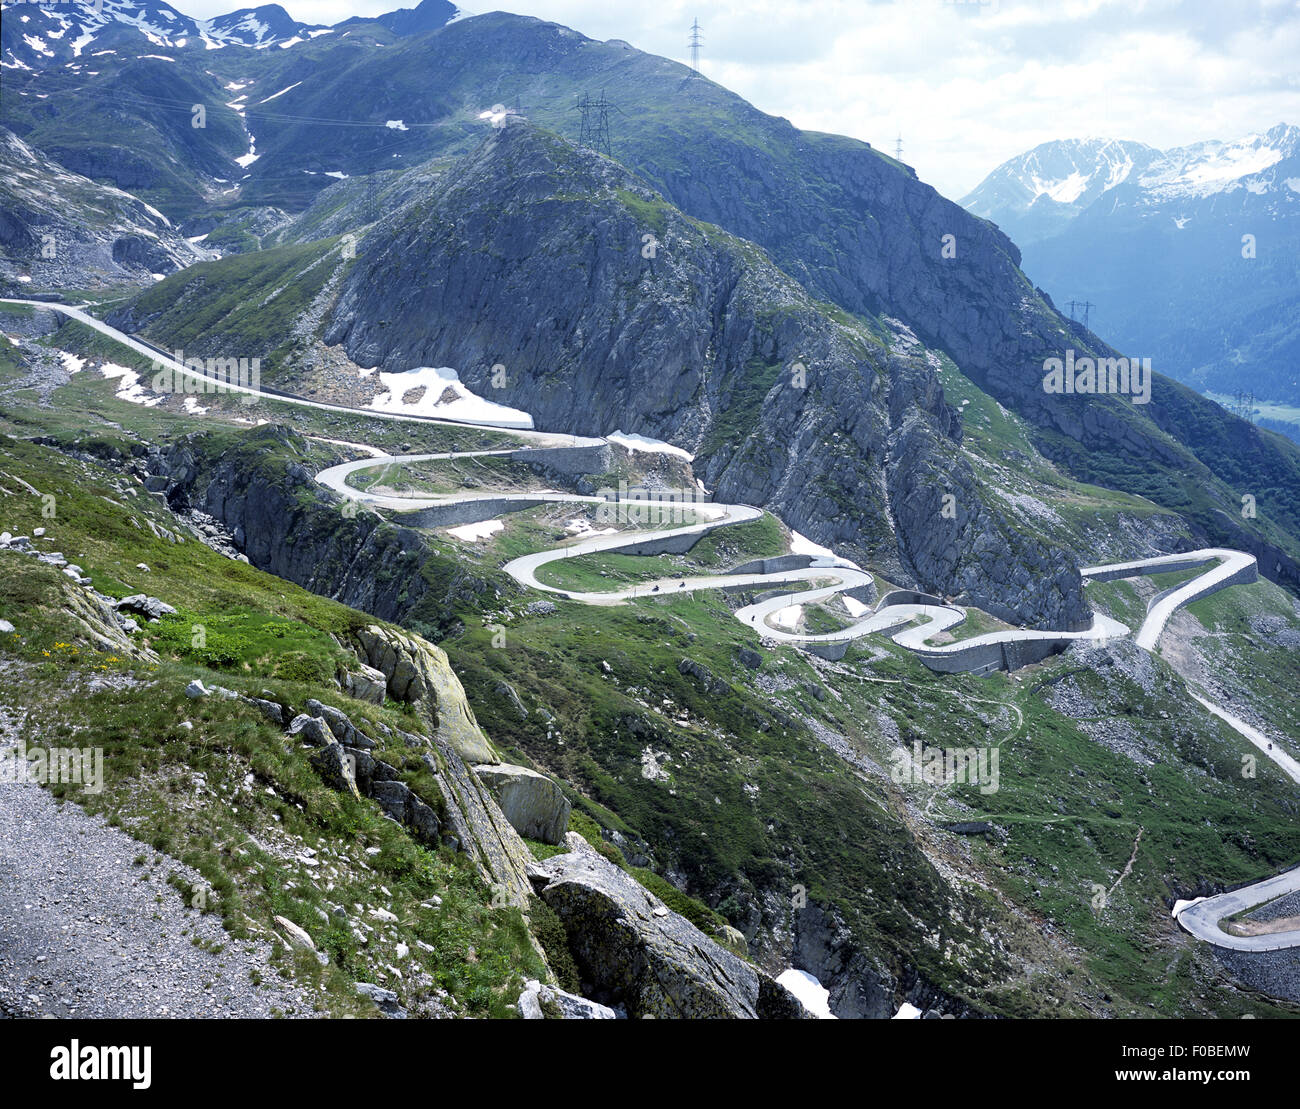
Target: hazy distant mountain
1190,256
1036,194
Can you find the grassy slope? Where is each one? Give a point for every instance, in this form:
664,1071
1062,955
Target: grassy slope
752,801
260,804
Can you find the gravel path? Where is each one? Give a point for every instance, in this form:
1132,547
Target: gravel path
85,933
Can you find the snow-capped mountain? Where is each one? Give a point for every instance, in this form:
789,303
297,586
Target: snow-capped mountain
1187,256
42,36
1037,193
1259,163
37,36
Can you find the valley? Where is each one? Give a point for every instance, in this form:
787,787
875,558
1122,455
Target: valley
512,565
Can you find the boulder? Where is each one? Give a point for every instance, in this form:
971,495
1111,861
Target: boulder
733,939
532,802
392,798
366,684
273,711
336,768
418,673
539,1002
634,950
296,935
340,724
150,607
313,730
385,1000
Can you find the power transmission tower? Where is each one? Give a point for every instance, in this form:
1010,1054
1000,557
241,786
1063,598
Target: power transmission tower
898,148
594,130
696,42
1075,305
1245,406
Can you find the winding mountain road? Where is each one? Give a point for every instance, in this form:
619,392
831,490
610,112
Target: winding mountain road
912,623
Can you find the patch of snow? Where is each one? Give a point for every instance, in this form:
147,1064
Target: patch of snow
815,997
71,363
193,407
437,383
280,93
787,618
336,173
396,125
801,544
856,608
472,533
907,1011
634,443
130,387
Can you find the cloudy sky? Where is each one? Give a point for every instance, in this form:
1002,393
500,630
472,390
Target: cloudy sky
968,84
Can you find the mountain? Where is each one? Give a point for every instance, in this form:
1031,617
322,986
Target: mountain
59,228
1191,258
705,343
428,15
1036,194
38,36
853,227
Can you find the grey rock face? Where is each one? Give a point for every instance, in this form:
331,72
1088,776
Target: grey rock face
706,344
313,730
335,769
366,684
532,802
538,1001
637,952
150,607
419,673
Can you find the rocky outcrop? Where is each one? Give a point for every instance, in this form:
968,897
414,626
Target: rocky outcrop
534,804
366,683
419,674
288,525
541,1002
464,815
480,828
635,952
64,230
